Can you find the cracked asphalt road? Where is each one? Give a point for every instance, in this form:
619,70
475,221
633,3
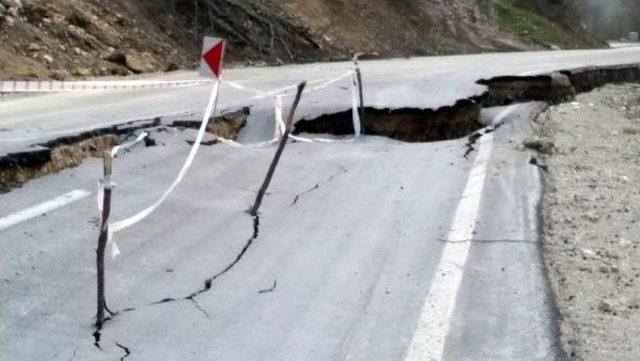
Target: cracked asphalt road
353,253
353,257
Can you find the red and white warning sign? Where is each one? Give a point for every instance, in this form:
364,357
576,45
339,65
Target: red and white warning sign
212,56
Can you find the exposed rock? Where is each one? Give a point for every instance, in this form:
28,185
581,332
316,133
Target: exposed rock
83,72
605,306
136,62
540,144
60,75
229,124
140,62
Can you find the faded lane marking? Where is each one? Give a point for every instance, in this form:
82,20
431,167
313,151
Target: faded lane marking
42,208
433,326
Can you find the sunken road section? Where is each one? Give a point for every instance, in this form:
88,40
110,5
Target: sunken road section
62,153
463,118
69,151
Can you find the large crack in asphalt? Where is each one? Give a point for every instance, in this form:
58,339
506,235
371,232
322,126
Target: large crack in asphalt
208,282
64,152
97,334
127,351
191,298
342,170
43,157
470,146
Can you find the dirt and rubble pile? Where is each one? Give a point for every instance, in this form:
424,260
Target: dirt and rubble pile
592,221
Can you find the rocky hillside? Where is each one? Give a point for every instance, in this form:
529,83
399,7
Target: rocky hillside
80,38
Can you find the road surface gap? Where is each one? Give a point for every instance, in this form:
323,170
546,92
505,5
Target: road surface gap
227,125
462,118
65,152
70,151
557,87
405,124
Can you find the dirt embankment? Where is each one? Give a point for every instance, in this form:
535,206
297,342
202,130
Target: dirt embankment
80,38
76,38
592,221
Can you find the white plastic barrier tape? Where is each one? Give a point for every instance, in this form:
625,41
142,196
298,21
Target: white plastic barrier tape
357,127
115,251
53,86
279,123
114,151
121,225
126,146
325,82
118,226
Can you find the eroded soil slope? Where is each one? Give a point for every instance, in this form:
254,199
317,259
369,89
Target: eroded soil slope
80,38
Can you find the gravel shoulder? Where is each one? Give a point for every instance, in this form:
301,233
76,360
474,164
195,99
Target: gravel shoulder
591,214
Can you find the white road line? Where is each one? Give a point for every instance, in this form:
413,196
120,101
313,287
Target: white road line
433,326
42,208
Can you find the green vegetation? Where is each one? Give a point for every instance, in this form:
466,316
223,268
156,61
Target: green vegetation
528,24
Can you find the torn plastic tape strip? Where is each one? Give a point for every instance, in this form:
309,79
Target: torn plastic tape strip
118,226
277,131
115,250
278,111
355,118
118,148
100,195
283,91
328,83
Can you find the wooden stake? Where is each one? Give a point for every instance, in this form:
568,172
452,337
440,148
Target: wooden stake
356,65
359,77
102,240
276,158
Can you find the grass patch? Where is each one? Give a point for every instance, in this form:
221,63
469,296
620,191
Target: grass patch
533,26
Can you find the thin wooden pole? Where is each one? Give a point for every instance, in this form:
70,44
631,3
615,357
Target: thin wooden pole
276,158
359,77
103,239
356,65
